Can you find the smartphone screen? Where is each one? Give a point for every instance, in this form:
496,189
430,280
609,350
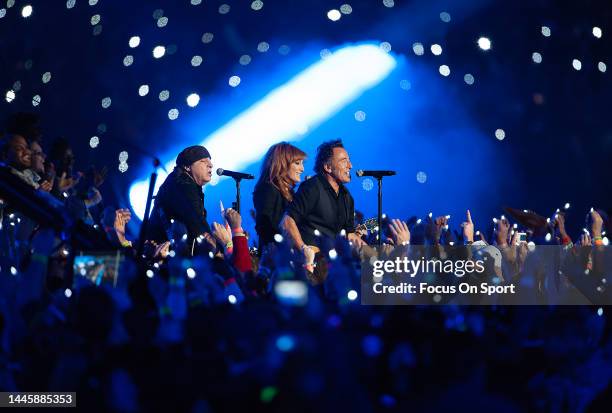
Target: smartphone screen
97,268
291,292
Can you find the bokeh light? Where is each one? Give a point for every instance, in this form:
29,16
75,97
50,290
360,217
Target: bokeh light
162,21
444,70
196,61
26,11
173,114
546,31
346,9
405,84
143,90
159,51
436,49
484,43
193,100
576,64
244,60
418,49
445,17
421,177
257,5
263,47
164,95
106,102
134,41
360,116
536,57
234,81
500,134
207,37
602,67
334,15
597,32
94,141
468,79
224,9
10,96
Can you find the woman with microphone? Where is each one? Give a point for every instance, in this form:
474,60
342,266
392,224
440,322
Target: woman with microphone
281,170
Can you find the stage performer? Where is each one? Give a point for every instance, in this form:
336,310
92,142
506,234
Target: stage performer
281,170
322,204
181,198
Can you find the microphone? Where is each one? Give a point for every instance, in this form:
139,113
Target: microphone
375,174
235,175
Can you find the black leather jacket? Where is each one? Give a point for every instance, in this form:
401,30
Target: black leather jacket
181,199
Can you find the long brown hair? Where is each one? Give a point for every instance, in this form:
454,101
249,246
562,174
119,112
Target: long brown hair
276,164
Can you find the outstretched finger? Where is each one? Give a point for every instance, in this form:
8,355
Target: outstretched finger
394,232
469,216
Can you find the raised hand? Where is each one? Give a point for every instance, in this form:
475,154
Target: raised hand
309,256
433,228
503,226
596,224
233,218
222,234
46,186
468,228
560,224
399,232
585,240
162,250
64,183
122,217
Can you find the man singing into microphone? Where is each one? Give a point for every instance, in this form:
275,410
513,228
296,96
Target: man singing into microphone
181,198
322,204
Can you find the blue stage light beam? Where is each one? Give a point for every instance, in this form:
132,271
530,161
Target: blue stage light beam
286,113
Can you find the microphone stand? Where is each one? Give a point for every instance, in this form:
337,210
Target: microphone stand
379,179
145,218
236,204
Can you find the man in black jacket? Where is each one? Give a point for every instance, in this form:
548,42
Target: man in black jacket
181,198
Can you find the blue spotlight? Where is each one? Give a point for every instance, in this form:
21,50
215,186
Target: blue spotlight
304,102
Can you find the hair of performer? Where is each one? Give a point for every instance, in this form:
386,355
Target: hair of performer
282,167
333,163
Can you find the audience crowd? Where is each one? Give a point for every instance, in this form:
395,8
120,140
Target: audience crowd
171,326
